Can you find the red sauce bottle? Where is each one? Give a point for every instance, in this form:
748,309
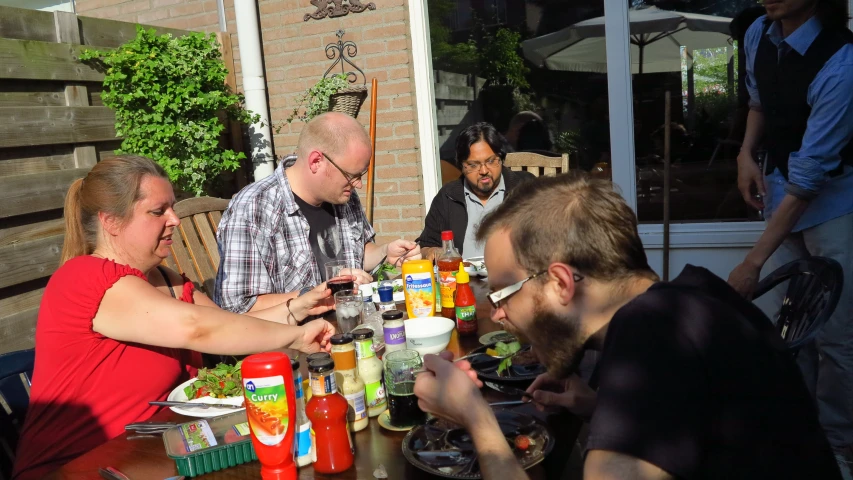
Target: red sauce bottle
327,411
466,303
448,262
271,411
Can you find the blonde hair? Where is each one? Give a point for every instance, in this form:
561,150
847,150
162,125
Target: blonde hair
113,187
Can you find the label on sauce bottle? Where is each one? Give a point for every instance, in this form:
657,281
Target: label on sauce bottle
303,440
466,319
448,288
395,335
266,408
197,435
419,293
359,406
364,350
375,394
323,384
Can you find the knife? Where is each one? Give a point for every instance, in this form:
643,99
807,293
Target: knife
196,405
508,390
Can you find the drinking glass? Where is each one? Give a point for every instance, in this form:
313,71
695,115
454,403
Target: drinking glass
338,277
349,306
400,368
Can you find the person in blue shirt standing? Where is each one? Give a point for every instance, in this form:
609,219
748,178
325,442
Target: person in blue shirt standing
799,61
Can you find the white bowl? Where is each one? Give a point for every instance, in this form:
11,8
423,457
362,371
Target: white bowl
428,334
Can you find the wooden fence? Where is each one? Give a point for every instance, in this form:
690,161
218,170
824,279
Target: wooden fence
53,129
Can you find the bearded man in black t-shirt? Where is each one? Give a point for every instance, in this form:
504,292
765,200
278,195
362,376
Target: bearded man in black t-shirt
694,381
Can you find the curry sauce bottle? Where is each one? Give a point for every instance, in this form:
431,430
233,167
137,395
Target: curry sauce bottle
271,411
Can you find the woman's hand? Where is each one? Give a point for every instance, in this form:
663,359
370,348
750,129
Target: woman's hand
315,337
314,302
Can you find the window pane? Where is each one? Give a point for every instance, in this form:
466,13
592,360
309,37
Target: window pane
699,66
482,73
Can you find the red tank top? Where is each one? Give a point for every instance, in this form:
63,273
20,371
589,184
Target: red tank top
87,387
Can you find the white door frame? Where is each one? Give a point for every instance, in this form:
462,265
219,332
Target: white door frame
424,98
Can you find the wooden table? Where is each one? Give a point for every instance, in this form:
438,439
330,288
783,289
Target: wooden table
146,458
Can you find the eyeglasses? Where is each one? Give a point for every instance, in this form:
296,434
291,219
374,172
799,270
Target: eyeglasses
351,179
495,298
475,166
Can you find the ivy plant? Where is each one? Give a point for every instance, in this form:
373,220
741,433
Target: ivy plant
167,94
315,100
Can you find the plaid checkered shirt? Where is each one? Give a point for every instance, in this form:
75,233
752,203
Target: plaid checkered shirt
264,245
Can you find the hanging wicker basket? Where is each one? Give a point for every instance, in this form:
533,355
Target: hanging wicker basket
348,100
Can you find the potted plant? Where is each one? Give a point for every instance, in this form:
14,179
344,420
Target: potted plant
331,94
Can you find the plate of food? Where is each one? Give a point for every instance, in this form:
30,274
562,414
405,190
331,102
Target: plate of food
222,384
373,289
521,366
475,266
445,449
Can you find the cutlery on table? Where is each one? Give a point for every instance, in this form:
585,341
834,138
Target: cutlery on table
111,473
195,405
506,404
506,389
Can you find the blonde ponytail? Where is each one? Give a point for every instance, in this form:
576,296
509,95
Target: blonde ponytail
112,186
75,243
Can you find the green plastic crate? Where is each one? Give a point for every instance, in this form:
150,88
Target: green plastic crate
222,455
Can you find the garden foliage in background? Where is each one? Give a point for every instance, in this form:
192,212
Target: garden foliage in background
168,94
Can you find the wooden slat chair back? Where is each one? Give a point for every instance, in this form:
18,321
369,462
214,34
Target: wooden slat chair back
16,372
538,165
194,252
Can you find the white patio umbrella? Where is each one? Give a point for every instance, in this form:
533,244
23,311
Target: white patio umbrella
656,38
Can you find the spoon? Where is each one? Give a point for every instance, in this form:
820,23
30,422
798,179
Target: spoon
470,355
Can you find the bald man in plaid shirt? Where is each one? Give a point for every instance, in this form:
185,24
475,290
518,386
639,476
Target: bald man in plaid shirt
278,233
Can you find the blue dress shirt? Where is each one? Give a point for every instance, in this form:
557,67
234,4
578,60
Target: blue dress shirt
829,128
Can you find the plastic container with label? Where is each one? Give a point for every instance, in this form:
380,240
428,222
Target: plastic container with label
271,411
419,287
328,414
302,443
207,445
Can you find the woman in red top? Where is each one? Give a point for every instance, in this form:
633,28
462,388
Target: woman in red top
112,335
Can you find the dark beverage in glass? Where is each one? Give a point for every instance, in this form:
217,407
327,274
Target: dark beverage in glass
404,408
341,283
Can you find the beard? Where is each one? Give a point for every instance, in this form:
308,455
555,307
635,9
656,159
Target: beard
556,340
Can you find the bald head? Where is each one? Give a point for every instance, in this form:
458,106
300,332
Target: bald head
331,133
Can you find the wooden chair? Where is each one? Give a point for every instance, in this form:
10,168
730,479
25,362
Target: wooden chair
194,252
16,371
538,165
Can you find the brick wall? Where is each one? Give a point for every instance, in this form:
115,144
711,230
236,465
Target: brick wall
295,59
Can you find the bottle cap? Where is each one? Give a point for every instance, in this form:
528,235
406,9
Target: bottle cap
341,339
284,472
462,276
318,356
322,365
362,334
447,235
294,364
392,315
386,293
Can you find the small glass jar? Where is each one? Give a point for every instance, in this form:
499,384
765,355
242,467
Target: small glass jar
352,387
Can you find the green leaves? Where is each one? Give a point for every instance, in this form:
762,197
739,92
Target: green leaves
166,93
316,99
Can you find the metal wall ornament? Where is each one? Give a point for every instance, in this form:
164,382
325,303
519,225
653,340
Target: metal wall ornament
341,52
336,8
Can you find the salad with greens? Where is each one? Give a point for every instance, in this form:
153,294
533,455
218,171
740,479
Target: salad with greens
220,382
386,271
501,349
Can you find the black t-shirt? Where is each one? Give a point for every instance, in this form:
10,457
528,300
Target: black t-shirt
325,234
695,380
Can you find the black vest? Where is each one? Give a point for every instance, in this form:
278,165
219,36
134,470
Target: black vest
783,86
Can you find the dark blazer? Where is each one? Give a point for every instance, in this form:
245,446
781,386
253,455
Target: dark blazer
448,211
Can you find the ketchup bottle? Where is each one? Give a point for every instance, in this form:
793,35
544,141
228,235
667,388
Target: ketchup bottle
466,303
327,411
271,411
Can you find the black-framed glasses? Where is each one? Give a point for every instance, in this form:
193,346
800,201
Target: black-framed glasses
350,178
495,298
475,166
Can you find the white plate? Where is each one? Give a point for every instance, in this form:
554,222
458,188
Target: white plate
478,267
371,288
178,395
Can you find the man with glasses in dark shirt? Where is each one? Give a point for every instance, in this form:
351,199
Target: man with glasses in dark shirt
694,381
278,233
461,204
